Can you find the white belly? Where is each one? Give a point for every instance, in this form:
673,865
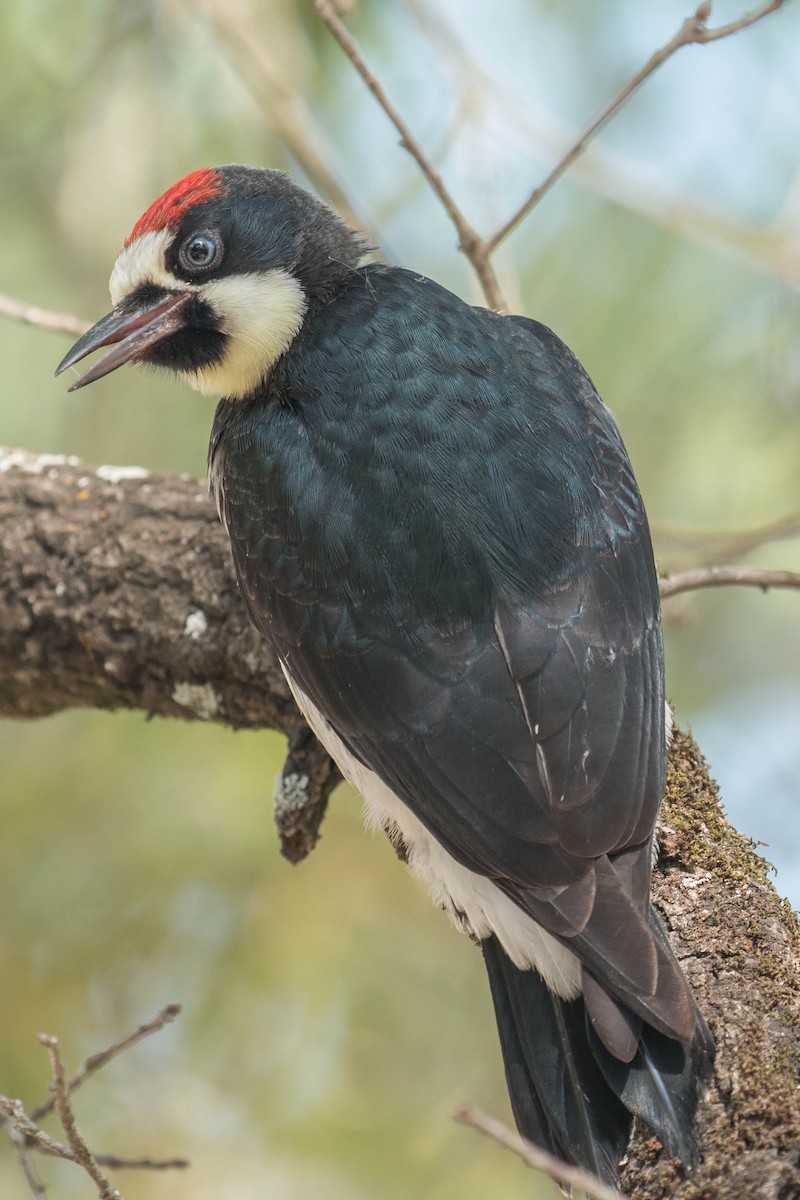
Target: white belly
472,901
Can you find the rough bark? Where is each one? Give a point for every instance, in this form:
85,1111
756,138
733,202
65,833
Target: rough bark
740,945
116,590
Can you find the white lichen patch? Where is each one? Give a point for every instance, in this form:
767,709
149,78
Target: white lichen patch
291,791
199,697
117,474
34,464
196,624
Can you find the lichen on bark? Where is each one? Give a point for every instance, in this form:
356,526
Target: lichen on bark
740,946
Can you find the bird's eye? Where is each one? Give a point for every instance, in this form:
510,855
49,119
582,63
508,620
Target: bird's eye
200,252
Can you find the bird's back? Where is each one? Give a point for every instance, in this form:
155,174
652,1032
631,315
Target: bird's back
414,446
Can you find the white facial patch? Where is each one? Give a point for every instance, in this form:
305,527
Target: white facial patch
260,312
143,261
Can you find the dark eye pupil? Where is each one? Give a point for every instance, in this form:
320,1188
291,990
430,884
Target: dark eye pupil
200,251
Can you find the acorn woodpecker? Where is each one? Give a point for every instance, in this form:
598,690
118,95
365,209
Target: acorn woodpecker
434,522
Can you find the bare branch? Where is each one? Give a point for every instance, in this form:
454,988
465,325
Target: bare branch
707,577
17,310
27,1135
470,241
478,249
115,1163
616,177
301,794
117,591
83,1155
723,31
693,31
565,1176
20,1143
96,1062
16,1117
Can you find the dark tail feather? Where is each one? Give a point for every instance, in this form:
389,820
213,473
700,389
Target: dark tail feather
571,1095
559,1096
663,1084
666,1079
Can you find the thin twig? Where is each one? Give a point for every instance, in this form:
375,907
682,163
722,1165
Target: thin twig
17,310
477,249
615,177
83,1155
18,1119
470,240
706,577
693,31
564,1174
115,1163
20,1143
27,1135
723,31
96,1061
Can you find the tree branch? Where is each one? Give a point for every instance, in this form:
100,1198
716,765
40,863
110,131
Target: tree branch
18,1121
478,249
117,591
739,944
707,577
20,1144
562,1173
616,177
26,1134
704,35
692,32
81,1152
470,242
96,1062
29,314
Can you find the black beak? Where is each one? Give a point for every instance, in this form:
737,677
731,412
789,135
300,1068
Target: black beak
130,333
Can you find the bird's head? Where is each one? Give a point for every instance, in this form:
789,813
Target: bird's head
217,277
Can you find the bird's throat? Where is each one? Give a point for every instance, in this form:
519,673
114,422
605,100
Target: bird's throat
260,315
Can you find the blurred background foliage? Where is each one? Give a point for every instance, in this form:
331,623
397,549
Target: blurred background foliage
332,1020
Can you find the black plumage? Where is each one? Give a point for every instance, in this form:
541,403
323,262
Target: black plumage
435,523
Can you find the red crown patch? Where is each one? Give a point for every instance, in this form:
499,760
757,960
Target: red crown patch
167,210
